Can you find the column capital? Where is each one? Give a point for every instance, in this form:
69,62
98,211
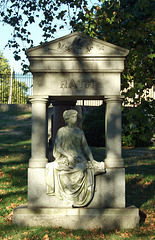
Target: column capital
39,98
113,98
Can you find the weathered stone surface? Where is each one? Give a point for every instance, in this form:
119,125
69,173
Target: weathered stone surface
77,218
77,66
39,132
66,69
113,130
109,190
76,44
84,85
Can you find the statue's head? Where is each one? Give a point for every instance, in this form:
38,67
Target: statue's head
68,113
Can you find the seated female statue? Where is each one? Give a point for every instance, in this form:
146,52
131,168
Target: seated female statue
71,176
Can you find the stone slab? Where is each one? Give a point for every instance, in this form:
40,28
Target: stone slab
77,84
77,218
109,190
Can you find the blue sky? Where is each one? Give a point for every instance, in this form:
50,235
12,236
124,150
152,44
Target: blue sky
5,33
36,35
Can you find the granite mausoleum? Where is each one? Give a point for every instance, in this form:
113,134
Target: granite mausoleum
76,67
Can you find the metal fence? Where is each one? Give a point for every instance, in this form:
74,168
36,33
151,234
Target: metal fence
15,89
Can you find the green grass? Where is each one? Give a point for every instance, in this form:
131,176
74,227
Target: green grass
15,135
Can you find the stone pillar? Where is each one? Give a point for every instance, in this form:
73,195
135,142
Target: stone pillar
113,130
39,132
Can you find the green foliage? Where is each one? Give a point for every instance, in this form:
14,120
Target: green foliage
129,24
4,65
138,125
51,16
5,71
94,126
19,89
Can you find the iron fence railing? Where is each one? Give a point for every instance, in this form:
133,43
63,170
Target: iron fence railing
15,89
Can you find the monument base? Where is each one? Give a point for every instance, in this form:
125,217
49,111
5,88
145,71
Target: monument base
77,218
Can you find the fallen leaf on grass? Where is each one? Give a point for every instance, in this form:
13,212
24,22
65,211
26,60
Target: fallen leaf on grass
8,207
7,238
19,199
1,173
13,205
62,234
152,238
3,192
126,235
46,237
9,217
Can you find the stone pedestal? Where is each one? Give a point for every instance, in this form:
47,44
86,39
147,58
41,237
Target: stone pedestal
107,209
109,190
78,218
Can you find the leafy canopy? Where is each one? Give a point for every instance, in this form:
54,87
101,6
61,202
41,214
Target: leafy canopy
126,23
51,15
129,24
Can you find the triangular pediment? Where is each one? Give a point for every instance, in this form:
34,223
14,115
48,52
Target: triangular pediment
77,44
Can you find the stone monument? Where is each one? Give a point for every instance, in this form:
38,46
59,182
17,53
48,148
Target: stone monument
65,70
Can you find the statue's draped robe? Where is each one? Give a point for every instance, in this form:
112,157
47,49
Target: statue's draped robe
73,183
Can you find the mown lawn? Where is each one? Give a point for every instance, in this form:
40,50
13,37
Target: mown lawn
15,135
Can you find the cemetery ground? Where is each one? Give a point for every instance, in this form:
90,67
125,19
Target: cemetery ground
15,138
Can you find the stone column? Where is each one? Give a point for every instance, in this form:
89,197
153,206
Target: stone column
39,132
113,130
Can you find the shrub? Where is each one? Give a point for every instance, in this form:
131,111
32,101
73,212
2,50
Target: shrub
138,125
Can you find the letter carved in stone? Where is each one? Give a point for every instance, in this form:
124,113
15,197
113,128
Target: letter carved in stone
78,84
63,84
72,84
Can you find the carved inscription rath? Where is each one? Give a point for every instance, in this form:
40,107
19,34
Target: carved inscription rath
79,84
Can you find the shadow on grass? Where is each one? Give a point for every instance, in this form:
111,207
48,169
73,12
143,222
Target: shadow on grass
14,194
141,169
140,185
142,216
